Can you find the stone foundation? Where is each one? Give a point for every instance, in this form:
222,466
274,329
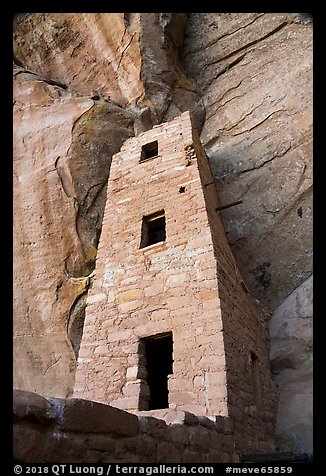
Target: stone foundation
73,430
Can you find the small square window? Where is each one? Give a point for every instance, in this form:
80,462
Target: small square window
149,151
153,229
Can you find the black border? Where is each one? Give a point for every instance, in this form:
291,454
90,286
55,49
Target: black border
7,189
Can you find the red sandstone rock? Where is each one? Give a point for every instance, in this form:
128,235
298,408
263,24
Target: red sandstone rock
62,49
30,406
97,418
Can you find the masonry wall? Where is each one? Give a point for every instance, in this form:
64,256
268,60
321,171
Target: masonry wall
80,431
169,286
189,285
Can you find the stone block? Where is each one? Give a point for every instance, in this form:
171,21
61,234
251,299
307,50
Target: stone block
200,437
103,442
180,416
222,423
155,427
177,279
168,453
159,314
132,373
28,443
216,378
132,295
206,294
59,447
154,290
145,446
33,407
129,306
206,422
120,335
213,303
199,243
178,434
190,456
128,444
183,398
194,409
85,352
160,414
97,418
101,350
96,298
132,389
180,384
179,291
126,403
179,302
212,362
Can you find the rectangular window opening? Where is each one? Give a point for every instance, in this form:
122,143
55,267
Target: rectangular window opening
156,355
149,151
153,229
256,384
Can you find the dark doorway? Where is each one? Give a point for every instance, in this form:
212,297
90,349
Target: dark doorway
158,353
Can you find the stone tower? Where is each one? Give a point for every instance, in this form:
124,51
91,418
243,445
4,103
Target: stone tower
169,322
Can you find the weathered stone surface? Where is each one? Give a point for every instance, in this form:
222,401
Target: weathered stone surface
58,196
30,406
91,54
179,434
88,432
132,295
255,75
291,358
291,327
252,73
96,136
130,58
97,417
27,443
44,236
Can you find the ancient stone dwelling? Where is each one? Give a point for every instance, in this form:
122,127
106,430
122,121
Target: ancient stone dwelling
169,322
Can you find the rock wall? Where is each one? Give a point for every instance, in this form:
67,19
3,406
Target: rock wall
84,83
52,431
291,358
63,146
254,72
89,67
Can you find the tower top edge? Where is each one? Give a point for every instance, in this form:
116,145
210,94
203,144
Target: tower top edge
149,135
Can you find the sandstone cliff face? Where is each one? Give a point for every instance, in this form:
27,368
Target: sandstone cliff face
86,82
63,147
254,74
113,76
291,358
90,54
43,235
